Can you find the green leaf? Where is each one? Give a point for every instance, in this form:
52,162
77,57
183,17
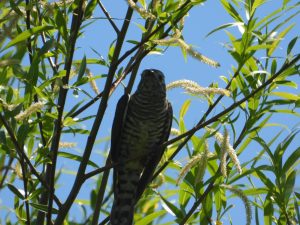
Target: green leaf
23,133
291,45
290,162
27,34
286,95
256,4
76,158
171,208
15,7
273,66
111,50
225,26
90,8
15,191
61,23
69,121
35,193
82,68
9,62
268,210
184,108
43,208
278,39
46,47
289,185
150,217
266,180
231,10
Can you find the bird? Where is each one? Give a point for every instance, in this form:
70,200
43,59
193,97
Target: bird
141,124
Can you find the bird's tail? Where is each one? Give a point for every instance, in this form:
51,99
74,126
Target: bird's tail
124,200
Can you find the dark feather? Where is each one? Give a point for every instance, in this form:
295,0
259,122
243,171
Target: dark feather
118,123
156,157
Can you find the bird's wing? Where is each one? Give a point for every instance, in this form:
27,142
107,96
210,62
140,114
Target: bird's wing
154,160
117,127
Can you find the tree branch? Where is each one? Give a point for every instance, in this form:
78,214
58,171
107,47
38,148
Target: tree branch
108,17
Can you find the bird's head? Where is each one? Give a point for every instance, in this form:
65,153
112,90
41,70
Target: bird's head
152,83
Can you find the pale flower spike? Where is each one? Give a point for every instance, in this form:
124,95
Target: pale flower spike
203,164
67,144
9,107
223,152
245,200
232,154
172,40
194,88
223,140
92,81
143,12
201,160
29,111
192,52
193,161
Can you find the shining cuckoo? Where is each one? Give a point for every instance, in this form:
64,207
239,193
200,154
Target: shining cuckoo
141,124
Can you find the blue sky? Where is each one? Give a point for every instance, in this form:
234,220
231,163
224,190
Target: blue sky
201,21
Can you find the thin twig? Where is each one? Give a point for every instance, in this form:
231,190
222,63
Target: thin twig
103,222
7,168
108,17
100,194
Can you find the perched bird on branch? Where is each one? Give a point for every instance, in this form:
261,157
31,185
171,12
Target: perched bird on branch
142,123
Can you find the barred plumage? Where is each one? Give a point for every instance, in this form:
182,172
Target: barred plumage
141,124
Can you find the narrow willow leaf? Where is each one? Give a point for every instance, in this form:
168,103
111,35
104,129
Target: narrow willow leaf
231,10
225,26
279,38
289,185
90,8
82,68
69,121
268,210
150,217
286,95
265,180
171,208
184,108
291,45
9,62
61,23
286,111
46,47
43,208
256,4
76,158
27,34
259,47
273,66
292,161
16,191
